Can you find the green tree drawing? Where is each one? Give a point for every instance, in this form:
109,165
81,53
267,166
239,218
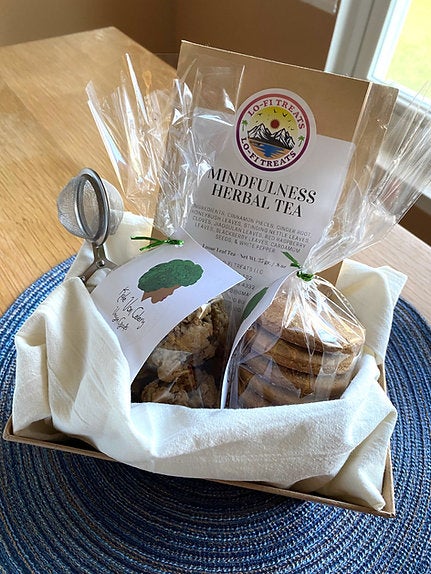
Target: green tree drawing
161,280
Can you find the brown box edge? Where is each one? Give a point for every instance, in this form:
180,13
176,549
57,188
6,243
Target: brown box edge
387,491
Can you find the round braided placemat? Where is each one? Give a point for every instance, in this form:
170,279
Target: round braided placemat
63,513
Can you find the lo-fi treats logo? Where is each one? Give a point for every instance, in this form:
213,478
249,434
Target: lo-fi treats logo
274,129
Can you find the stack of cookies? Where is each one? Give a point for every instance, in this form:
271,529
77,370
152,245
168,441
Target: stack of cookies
185,368
299,350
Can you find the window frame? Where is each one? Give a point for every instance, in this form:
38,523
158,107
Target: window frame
356,44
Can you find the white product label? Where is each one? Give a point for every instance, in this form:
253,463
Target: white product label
273,188
143,300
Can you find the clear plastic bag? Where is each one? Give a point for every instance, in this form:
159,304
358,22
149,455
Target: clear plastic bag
305,345
303,348
186,367
159,160
158,157
368,211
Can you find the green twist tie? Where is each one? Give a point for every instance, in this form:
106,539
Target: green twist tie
153,242
295,263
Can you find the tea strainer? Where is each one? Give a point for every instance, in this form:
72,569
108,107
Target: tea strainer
91,209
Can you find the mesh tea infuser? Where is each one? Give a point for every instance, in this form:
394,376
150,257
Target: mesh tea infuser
89,209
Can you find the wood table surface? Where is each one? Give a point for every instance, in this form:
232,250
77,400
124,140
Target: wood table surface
47,135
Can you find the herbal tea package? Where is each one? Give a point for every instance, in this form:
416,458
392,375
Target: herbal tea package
276,180
301,340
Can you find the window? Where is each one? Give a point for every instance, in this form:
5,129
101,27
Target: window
403,54
386,41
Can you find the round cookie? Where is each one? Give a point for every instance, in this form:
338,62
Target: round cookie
331,329
261,341
296,383
248,398
256,391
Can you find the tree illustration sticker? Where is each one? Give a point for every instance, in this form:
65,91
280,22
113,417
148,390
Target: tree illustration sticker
161,280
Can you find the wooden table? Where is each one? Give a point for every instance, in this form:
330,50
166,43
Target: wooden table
47,135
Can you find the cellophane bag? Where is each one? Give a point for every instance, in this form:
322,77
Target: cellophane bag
304,347
306,343
159,161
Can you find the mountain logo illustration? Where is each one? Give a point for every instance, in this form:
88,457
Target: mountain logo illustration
281,138
274,129
163,279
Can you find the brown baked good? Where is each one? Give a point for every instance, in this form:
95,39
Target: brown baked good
190,342
185,367
284,385
299,350
295,357
258,391
248,397
333,332
193,388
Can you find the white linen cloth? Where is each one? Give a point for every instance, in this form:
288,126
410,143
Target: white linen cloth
72,379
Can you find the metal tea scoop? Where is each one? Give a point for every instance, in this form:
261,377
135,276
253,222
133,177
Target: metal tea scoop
91,209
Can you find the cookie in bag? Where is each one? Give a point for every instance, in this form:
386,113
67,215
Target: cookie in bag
185,368
303,348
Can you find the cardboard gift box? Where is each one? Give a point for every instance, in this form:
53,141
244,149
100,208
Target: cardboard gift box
74,446
31,432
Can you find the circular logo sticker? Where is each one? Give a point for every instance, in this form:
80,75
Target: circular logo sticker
274,129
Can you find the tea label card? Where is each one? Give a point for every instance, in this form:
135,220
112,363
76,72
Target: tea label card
144,299
274,188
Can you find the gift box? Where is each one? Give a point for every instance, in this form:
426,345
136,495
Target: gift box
79,448
50,410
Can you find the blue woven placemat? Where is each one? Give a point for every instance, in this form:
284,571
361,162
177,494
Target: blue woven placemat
62,513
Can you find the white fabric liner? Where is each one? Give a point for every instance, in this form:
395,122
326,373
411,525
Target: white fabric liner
72,379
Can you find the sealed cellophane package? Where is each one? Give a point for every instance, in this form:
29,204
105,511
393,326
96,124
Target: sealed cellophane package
186,367
304,347
305,340
159,160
